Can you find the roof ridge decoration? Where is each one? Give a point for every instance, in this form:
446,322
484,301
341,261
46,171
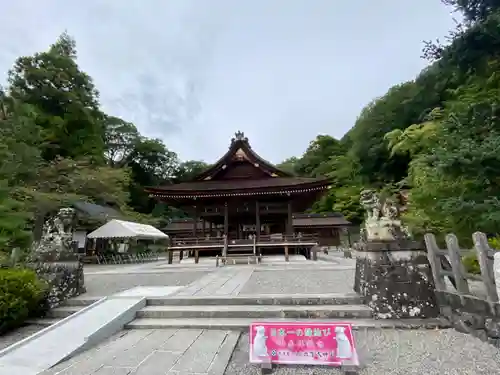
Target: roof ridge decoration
238,136
239,146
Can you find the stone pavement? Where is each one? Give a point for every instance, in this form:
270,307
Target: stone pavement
196,351
155,352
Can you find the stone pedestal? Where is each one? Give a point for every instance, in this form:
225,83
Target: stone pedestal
395,278
64,277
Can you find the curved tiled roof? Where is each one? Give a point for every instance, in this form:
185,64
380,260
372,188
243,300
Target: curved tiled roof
215,181
240,142
274,185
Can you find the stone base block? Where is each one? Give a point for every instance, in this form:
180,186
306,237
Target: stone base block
472,315
396,285
65,280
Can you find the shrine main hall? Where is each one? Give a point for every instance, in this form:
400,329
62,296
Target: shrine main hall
243,203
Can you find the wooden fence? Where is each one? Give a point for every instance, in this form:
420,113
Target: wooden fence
448,263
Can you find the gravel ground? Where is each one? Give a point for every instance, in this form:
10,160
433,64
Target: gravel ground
12,337
309,281
106,284
398,352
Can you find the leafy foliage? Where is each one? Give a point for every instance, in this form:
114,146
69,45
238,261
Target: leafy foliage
437,135
20,295
58,146
65,99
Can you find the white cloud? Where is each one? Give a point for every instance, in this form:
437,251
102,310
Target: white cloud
193,71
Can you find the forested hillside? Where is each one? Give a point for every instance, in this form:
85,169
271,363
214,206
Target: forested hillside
57,146
437,135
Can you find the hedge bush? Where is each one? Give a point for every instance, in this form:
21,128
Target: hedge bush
21,296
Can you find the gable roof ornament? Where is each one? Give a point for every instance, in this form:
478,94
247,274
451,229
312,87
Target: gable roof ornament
239,136
240,150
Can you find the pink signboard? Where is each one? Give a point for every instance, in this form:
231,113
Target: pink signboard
290,343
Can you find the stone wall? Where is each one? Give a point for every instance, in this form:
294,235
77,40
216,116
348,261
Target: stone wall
466,309
471,315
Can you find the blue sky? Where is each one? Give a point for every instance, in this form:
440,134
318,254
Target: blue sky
193,72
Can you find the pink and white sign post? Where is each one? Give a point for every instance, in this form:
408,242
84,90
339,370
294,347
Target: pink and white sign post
330,344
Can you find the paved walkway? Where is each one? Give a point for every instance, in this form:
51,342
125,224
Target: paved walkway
199,352
224,282
155,352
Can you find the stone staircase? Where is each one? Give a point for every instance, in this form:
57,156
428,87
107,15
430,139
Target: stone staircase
68,308
237,312
241,255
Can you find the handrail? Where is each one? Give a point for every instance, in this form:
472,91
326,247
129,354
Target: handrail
273,238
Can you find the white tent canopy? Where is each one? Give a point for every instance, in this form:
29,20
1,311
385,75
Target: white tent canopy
127,229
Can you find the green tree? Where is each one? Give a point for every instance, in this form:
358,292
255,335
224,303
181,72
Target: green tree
121,138
151,164
64,98
188,170
474,10
312,163
289,165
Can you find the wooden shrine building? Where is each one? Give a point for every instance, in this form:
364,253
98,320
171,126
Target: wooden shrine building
240,200
325,227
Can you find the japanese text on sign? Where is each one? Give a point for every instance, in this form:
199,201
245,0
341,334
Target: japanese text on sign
294,343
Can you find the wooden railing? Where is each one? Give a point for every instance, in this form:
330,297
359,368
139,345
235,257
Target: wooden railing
448,263
197,241
264,239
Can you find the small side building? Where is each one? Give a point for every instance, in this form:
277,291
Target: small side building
327,227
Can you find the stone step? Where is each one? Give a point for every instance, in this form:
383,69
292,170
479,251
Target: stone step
62,311
255,311
244,323
269,299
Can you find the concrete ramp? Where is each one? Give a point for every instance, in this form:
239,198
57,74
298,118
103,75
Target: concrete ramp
69,336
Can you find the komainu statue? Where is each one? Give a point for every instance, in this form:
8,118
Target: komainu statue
371,203
382,218
54,260
57,236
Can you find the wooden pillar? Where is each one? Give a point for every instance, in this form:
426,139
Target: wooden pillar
196,256
289,221
204,228
224,249
210,228
314,252
287,257
170,256
226,219
195,222
257,220
257,226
